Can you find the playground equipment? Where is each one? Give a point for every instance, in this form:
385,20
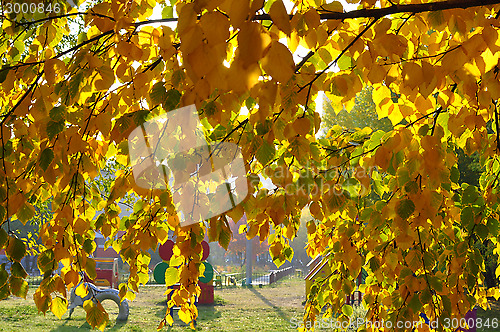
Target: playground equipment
107,272
96,294
205,281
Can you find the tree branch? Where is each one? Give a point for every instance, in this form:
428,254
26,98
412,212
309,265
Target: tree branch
62,16
373,12
32,86
497,125
355,39
438,111
396,9
74,48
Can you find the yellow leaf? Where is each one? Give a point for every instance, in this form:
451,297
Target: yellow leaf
169,319
280,17
96,315
278,62
382,96
494,292
59,306
316,212
81,290
333,6
302,126
252,41
377,73
238,12
171,276
215,27
185,315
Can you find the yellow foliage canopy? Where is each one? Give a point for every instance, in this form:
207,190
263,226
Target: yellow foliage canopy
390,203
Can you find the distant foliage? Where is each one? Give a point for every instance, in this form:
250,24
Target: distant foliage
363,114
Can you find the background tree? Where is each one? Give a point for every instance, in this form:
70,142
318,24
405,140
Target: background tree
433,67
363,114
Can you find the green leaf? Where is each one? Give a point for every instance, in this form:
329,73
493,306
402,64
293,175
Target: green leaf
436,18
470,195
351,186
4,291
347,310
171,276
492,225
88,246
224,238
74,84
16,249
18,287
96,315
210,109
265,153
57,113
4,275
172,99
46,158
167,12
403,176
411,187
17,270
415,303
90,268
158,93
425,296
26,213
3,74
345,62
467,217
482,231
138,206
288,253
405,208
54,128
454,174
45,261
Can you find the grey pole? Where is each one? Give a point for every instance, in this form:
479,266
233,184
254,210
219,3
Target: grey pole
249,262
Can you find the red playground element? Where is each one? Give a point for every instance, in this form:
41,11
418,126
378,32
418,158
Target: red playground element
205,282
165,250
207,293
107,273
206,250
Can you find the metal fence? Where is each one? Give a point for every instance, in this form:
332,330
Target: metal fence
279,274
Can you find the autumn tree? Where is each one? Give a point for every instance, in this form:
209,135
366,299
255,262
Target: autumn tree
363,114
67,105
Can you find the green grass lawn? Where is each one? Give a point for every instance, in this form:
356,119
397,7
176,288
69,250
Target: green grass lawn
236,309
488,316
270,308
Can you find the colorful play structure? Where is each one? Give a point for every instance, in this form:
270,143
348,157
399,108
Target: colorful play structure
205,281
107,272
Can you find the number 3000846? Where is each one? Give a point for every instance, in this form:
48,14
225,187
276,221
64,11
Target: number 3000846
30,8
